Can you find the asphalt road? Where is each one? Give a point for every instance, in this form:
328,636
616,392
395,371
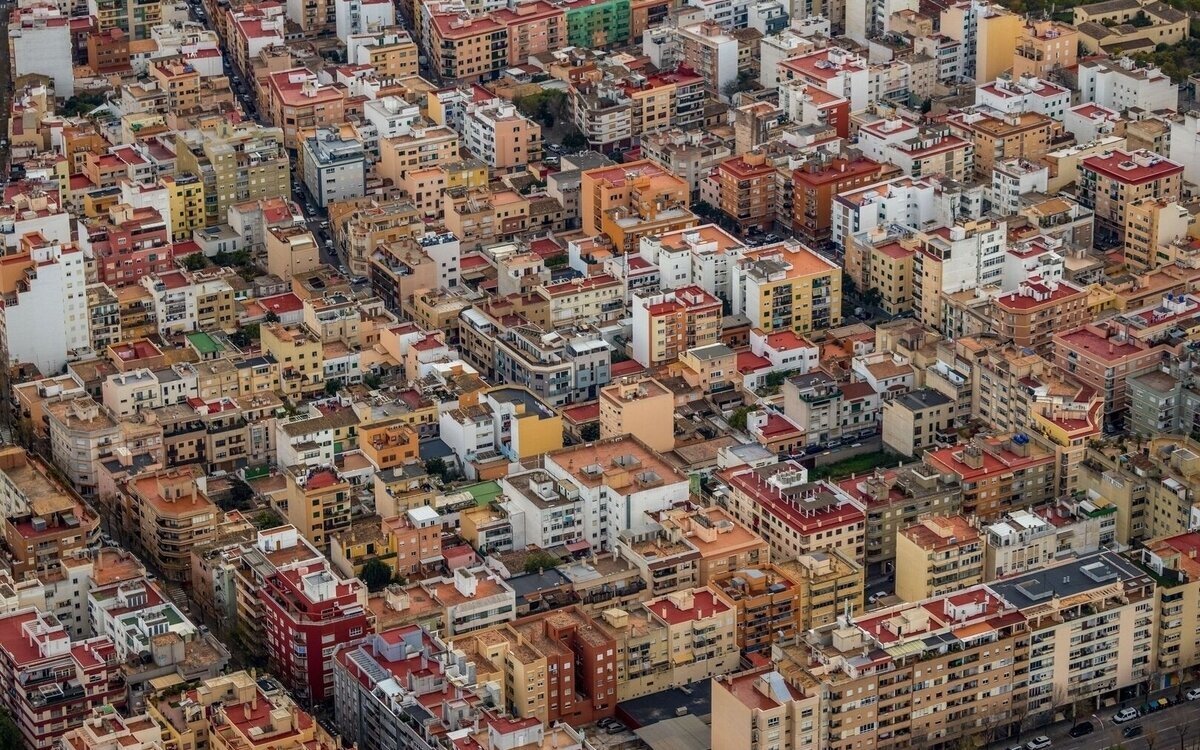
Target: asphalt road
1173,728
5,94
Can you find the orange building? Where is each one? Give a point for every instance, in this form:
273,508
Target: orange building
108,51
297,102
629,201
1031,314
533,28
817,182
467,49
180,82
746,187
1043,47
669,324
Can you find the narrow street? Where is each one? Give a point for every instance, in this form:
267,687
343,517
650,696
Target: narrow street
5,95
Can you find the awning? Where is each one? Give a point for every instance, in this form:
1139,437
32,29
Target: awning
683,657
578,546
905,649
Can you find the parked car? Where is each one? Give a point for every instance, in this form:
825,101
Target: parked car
1192,694
1124,715
1133,730
878,596
615,728
1038,743
606,722
1082,729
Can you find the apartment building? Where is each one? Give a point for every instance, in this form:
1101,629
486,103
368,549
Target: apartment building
1030,315
300,355
167,513
44,318
533,28
306,611
136,18
768,603
644,409
1104,357
629,186
1092,629
238,710
43,523
937,556
793,515
597,23
624,480
667,324
335,166
297,102
816,184
52,684
787,287
918,150
318,502
82,433
1173,561
1025,135
467,49
1110,182
500,136
997,475
897,498
235,164
1044,46
1151,226
761,706
723,543
422,668
746,191
918,420
391,51
923,692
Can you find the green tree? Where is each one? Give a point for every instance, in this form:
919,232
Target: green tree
590,432
574,141
738,420
540,560
266,519
376,574
332,386
195,261
437,467
10,734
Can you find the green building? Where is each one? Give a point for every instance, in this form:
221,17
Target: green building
597,23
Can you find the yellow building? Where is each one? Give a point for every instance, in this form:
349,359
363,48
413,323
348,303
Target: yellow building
469,174
892,276
1151,225
937,557
1044,46
388,442
788,287
423,147
762,704
1174,560
318,503
644,409
231,712
186,196
996,32
300,357
828,581
391,52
